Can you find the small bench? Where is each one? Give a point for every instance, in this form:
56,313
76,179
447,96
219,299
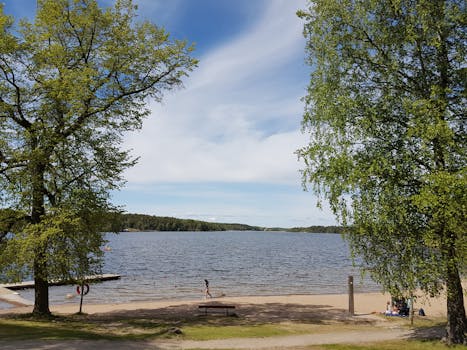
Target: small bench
216,306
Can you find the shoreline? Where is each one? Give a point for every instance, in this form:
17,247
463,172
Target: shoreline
364,304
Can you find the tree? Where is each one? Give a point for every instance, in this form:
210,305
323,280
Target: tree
71,84
386,114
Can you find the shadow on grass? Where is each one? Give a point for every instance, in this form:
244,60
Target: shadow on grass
73,327
75,345
159,323
40,330
435,332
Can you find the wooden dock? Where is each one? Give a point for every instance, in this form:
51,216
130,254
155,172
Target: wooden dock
30,284
13,298
8,294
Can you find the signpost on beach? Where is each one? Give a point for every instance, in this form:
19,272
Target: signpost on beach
351,299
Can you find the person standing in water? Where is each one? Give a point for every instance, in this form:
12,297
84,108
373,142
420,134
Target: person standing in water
206,291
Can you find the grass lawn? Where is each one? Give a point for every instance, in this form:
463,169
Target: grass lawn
209,332
137,326
393,345
76,327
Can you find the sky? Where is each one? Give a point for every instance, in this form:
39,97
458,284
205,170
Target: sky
222,148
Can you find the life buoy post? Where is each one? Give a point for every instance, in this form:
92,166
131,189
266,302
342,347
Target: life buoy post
82,290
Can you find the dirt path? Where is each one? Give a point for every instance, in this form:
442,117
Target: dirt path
282,342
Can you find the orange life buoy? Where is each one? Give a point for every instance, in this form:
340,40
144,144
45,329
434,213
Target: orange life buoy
85,289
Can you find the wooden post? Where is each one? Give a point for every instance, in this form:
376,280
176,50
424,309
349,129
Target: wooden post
351,299
81,299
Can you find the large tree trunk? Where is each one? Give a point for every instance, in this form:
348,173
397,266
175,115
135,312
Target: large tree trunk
456,328
41,285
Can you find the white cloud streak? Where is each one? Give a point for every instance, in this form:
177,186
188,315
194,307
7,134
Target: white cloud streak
238,118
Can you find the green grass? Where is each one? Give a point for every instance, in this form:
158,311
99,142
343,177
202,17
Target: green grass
82,327
225,332
138,329
27,330
212,332
74,328
392,345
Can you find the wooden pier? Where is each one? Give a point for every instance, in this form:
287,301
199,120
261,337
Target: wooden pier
8,294
30,284
13,298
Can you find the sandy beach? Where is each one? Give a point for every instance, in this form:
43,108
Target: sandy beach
365,304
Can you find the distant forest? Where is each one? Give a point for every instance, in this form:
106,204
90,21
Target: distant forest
118,222
317,229
141,222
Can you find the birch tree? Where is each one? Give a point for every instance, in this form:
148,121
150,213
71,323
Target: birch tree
386,115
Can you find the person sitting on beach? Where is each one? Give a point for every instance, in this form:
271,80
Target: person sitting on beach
206,291
391,310
388,311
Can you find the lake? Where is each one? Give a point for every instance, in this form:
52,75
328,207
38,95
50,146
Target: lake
173,265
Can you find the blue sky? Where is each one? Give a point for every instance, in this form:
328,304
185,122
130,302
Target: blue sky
222,148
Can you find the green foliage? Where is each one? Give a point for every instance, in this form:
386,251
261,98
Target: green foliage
71,238
71,84
385,110
10,220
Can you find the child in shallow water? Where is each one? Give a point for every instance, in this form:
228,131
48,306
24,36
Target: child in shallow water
206,291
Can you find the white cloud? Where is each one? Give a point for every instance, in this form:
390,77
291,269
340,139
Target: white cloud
238,118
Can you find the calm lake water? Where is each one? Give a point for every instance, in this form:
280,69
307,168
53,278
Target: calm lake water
173,265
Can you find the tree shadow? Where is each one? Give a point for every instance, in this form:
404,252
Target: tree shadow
436,332
244,314
75,345
139,326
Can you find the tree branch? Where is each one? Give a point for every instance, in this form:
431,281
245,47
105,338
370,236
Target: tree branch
7,71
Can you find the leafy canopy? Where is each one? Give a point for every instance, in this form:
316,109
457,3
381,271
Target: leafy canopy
72,83
385,111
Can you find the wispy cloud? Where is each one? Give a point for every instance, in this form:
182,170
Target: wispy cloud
223,148
238,118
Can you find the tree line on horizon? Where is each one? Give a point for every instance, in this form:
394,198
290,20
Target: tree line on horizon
15,221
142,222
